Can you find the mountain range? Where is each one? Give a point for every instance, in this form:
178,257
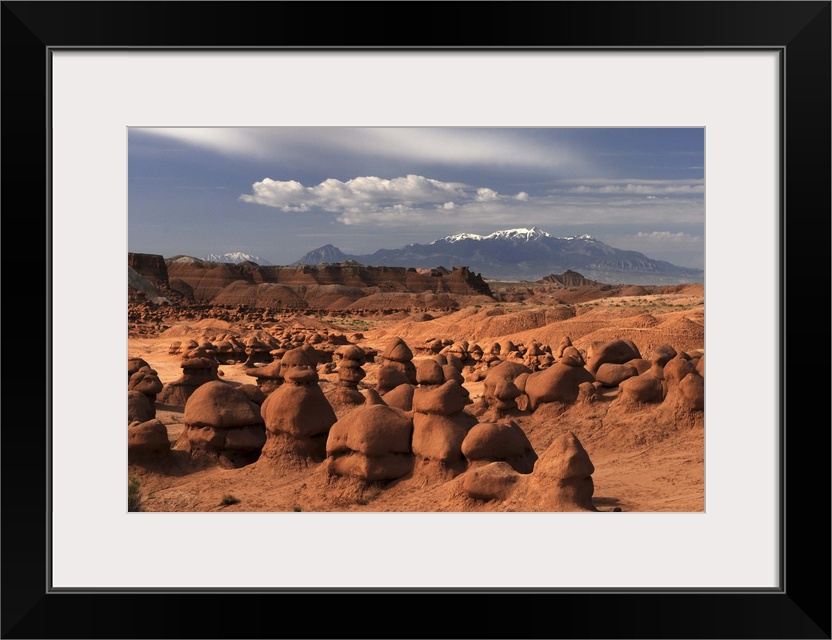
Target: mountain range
521,254
236,257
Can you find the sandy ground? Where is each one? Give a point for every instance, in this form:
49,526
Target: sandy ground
643,462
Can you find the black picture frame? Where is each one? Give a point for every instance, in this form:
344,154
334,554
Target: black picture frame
799,31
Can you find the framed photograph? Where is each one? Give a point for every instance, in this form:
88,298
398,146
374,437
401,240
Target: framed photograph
98,92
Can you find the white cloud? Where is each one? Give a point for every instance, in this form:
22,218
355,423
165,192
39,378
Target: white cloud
486,195
359,193
522,196
448,206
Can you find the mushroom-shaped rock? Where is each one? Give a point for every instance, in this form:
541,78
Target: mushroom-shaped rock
663,354
223,422
146,381
587,393
371,397
253,393
222,406
198,367
572,356
439,427
429,372
642,365
452,373
612,375
388,378
562,478
299,365
397,350
146,438
676,369
558,383
692,387
499,388
297,414
134,364
270,376
700,366
501,441
446,399
257,352
614,351
643,389
401,397
371,443
492,481
437,440
565,342
139,407
346,395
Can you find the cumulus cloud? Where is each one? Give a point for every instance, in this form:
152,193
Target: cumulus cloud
367,192
369,199
486,195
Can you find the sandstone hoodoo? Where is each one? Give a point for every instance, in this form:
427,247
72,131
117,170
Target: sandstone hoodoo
345,395
562,478
146,381
499,442
224,424
440,424
371,443
147,441
297,414
199,366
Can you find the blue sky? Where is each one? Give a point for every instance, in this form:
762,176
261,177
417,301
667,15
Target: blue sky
280,192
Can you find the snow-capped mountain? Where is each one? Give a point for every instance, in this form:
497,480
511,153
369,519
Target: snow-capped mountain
522,254
508,234
236,257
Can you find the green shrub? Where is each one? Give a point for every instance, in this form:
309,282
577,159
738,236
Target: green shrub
134,496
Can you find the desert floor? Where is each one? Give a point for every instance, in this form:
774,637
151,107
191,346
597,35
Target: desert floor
642,461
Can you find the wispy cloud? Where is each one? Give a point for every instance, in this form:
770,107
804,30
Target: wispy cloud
667,236
633,186
457,146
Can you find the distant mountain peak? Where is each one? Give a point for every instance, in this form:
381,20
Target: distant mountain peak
520,233
236,257
327,253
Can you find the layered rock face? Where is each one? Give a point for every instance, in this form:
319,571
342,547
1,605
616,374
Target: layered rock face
296,287
151,266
